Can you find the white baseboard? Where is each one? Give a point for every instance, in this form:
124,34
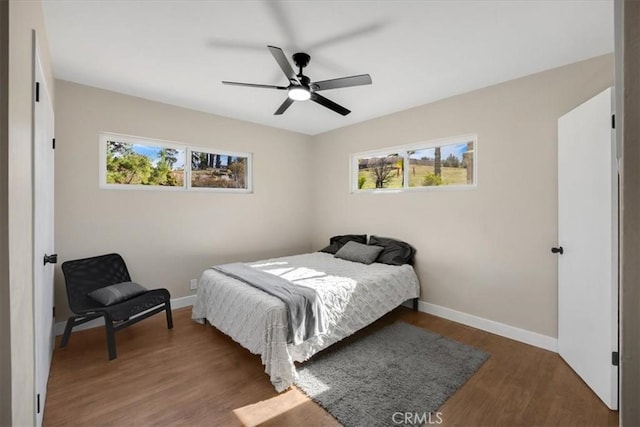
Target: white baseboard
518,334
181,302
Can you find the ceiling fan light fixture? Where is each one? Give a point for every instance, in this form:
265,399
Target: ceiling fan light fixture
299,93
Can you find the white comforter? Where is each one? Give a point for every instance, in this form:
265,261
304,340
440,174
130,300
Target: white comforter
355,295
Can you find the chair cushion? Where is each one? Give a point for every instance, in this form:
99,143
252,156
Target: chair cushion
119,292
359,252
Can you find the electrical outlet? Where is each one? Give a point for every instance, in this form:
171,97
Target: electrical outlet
194,284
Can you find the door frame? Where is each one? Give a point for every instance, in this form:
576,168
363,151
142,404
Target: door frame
5,301
627,34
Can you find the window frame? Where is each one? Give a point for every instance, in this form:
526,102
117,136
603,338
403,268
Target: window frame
403,151
130,139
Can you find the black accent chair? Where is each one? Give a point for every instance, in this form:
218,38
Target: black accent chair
85,275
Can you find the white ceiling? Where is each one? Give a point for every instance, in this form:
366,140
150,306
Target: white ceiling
178,51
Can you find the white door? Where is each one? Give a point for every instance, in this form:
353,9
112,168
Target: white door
588,235
43,177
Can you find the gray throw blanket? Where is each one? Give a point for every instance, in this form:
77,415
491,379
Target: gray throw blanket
303,305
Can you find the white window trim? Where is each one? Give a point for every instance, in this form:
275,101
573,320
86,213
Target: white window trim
130,139
403,150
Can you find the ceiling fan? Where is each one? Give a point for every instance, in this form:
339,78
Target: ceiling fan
301,88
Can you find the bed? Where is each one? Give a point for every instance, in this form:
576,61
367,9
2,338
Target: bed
353,296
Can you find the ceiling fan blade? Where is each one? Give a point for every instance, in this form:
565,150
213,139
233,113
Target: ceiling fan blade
329,104
362,79
287,102
279,12
254,85
282,61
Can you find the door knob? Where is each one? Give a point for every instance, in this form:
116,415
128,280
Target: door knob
558,250
53,259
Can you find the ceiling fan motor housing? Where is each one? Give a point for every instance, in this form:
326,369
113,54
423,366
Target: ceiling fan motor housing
304,80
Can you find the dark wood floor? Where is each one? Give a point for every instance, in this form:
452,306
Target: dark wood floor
196,376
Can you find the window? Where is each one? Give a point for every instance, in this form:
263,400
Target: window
218,170
140,163
130,163
436,164
381,171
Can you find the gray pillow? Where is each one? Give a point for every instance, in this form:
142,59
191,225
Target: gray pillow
358,252
117,293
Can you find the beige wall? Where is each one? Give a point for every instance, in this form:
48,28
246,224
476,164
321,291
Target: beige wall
24,16
166,237
484,252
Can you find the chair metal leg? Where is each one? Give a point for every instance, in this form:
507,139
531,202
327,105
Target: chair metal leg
111,338
167,307
67,332
415,304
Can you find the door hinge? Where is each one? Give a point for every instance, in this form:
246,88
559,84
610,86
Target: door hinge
54,311
53,143
38,403
613,121
615,358
37,91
